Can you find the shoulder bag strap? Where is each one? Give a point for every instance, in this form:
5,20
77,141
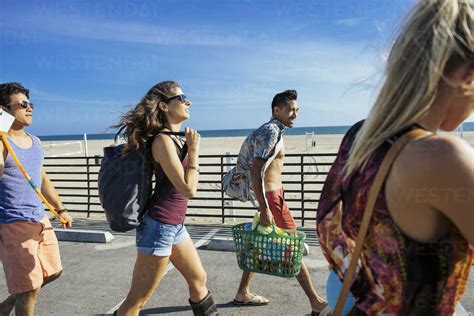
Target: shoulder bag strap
369,208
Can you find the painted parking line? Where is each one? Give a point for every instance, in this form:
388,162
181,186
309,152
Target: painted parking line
460,311
170,266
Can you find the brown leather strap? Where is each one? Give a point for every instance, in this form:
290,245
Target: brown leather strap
369,208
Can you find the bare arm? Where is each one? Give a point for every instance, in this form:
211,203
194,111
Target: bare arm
257,172
2,158
453,180
164,153
51,195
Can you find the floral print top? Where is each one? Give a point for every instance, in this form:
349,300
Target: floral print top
261,143
396,274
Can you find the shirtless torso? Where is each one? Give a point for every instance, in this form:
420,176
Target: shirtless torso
273,174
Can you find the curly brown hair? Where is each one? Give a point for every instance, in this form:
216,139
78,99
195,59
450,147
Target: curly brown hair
144,121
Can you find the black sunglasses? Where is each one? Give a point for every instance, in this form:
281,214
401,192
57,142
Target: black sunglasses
182,98
23,104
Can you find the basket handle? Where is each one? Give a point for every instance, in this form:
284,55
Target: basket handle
273,226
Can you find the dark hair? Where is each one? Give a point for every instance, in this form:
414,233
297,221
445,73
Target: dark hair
146,119
283,98
10,88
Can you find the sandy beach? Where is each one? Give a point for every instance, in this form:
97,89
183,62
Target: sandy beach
209,145
207,202
217,145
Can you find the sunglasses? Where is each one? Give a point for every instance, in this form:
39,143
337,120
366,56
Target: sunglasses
182,98
23,104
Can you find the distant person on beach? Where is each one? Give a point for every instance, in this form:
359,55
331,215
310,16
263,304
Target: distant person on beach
162,236
416,257
29,250
260,163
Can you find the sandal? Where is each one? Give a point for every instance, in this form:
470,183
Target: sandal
256,300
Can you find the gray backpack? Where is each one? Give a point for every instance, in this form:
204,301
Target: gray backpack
125,184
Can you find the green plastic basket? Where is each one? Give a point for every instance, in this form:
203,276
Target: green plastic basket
271,253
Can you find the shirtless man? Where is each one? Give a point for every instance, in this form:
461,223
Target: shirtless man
266,181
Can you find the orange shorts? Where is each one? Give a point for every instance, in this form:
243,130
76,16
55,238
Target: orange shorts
280,211
29,252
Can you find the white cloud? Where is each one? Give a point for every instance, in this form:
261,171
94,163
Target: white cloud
68,100
134,32
317,61
351,21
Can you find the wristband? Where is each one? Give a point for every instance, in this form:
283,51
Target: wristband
194,168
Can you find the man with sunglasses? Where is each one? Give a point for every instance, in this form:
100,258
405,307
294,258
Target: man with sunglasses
29,249
258,177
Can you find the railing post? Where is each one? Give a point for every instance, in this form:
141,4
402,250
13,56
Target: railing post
86,147
88,187
228,161
302,189
222,190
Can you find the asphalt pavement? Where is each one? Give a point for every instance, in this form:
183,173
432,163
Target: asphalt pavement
97,277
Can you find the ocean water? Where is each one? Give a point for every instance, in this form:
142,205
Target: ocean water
317,130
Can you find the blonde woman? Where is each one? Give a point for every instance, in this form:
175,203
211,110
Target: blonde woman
418,252
162,236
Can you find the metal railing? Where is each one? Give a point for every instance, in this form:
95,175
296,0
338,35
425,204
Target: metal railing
75,179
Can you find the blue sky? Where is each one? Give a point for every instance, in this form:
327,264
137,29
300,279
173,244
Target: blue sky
85,62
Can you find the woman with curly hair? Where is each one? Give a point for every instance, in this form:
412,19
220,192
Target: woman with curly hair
161,235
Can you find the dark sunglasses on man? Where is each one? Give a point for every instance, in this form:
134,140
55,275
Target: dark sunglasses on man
24,104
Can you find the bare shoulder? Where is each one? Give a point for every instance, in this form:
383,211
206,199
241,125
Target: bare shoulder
161,140
439,150
163,146
436,159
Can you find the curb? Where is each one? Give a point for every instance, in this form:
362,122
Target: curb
80,235
221,244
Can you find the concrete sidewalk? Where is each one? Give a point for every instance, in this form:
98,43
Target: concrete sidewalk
97,277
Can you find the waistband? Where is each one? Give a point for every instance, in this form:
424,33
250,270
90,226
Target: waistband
277,192
155,218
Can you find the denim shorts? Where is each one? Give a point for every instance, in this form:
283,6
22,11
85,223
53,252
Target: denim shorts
155,238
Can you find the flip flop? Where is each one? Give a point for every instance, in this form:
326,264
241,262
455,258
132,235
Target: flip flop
256,300
325,312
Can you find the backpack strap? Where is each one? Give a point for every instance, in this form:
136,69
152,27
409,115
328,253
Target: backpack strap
183,149
159,186
369,208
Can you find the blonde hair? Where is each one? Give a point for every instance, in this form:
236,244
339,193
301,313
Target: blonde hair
436,37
